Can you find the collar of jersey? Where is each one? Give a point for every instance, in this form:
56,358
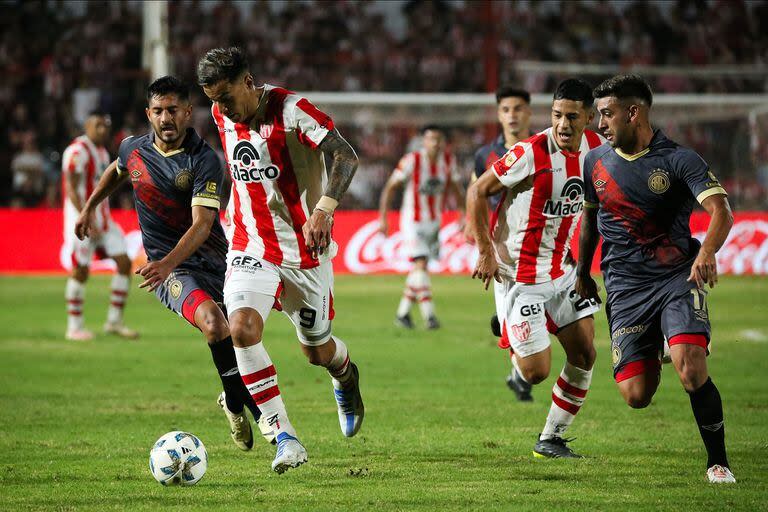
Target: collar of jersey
170,153
630,158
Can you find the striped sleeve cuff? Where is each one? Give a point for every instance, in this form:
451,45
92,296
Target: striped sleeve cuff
711,192
206,201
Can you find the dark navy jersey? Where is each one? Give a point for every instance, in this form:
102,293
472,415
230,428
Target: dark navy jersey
166,186
645,203
485,157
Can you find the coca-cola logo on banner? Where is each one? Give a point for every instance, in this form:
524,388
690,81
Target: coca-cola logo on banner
745,251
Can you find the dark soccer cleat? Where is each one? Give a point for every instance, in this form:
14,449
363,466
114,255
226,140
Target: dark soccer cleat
432,323
554,448
521,388
404,321
495,326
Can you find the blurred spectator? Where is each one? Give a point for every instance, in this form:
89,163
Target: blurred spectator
28,167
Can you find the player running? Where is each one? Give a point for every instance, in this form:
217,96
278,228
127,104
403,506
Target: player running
526,251
83,163
428,175
177,181
639,193
513,110
280,244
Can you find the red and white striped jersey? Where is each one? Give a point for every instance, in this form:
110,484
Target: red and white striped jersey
83,158
278,175
532,230
426,184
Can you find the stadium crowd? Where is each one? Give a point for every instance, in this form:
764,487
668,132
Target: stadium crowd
62,59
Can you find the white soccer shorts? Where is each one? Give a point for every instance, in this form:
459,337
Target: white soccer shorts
305,295
529,312
111,243
423,240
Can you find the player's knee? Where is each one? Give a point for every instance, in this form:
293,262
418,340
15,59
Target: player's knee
123,264
638,401
80,274
246,328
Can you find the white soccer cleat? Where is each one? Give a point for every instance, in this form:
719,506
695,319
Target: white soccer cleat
350,403
718,474
239,426
290,453
267,431
121,330
79,335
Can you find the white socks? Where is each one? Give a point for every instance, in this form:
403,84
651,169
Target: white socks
339,365
417,288
260,378
74,294
120,284
567,398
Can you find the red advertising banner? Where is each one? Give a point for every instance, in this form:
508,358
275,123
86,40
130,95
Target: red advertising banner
32,242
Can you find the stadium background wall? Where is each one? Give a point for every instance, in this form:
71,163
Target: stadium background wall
33,243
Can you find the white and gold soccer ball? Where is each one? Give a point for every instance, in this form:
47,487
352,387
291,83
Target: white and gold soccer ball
178,458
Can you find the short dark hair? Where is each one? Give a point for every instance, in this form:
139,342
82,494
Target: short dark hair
97,112
221,64
625,87
433,128
168,85
575,89
506,91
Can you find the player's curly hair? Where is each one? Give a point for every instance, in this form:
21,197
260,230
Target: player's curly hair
221,64
625,87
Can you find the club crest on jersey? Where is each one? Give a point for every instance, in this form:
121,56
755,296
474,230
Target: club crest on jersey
135,175
244,165
432,187
659,181
183,180
570,202
615,354
265,130
521,331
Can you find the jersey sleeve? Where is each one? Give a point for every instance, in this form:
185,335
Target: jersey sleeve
590,194
123,153
514,166
310,123
75,160
208,181
404,169
692,169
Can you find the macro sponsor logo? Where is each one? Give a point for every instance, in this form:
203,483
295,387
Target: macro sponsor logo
244,165
623,331
570,202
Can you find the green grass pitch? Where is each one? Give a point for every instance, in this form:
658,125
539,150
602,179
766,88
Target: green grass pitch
442,432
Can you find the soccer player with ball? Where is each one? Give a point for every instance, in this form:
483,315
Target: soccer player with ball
177,181
640,190
280,244
526,250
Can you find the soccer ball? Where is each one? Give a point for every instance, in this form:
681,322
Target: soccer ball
178,458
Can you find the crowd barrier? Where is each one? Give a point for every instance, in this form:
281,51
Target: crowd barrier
32,242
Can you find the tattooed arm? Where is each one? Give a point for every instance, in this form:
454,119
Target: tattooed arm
317,230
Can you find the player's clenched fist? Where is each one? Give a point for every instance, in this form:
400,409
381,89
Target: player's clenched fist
83,224
486,269
317,232
704,269
587,288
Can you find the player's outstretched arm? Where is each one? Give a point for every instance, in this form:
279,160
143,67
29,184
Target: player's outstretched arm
156,272
385,200
109,182
704,268
478,193
317,229
588,239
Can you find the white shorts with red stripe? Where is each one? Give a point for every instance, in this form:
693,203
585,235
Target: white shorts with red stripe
529,312
305,295
423,240
109,243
